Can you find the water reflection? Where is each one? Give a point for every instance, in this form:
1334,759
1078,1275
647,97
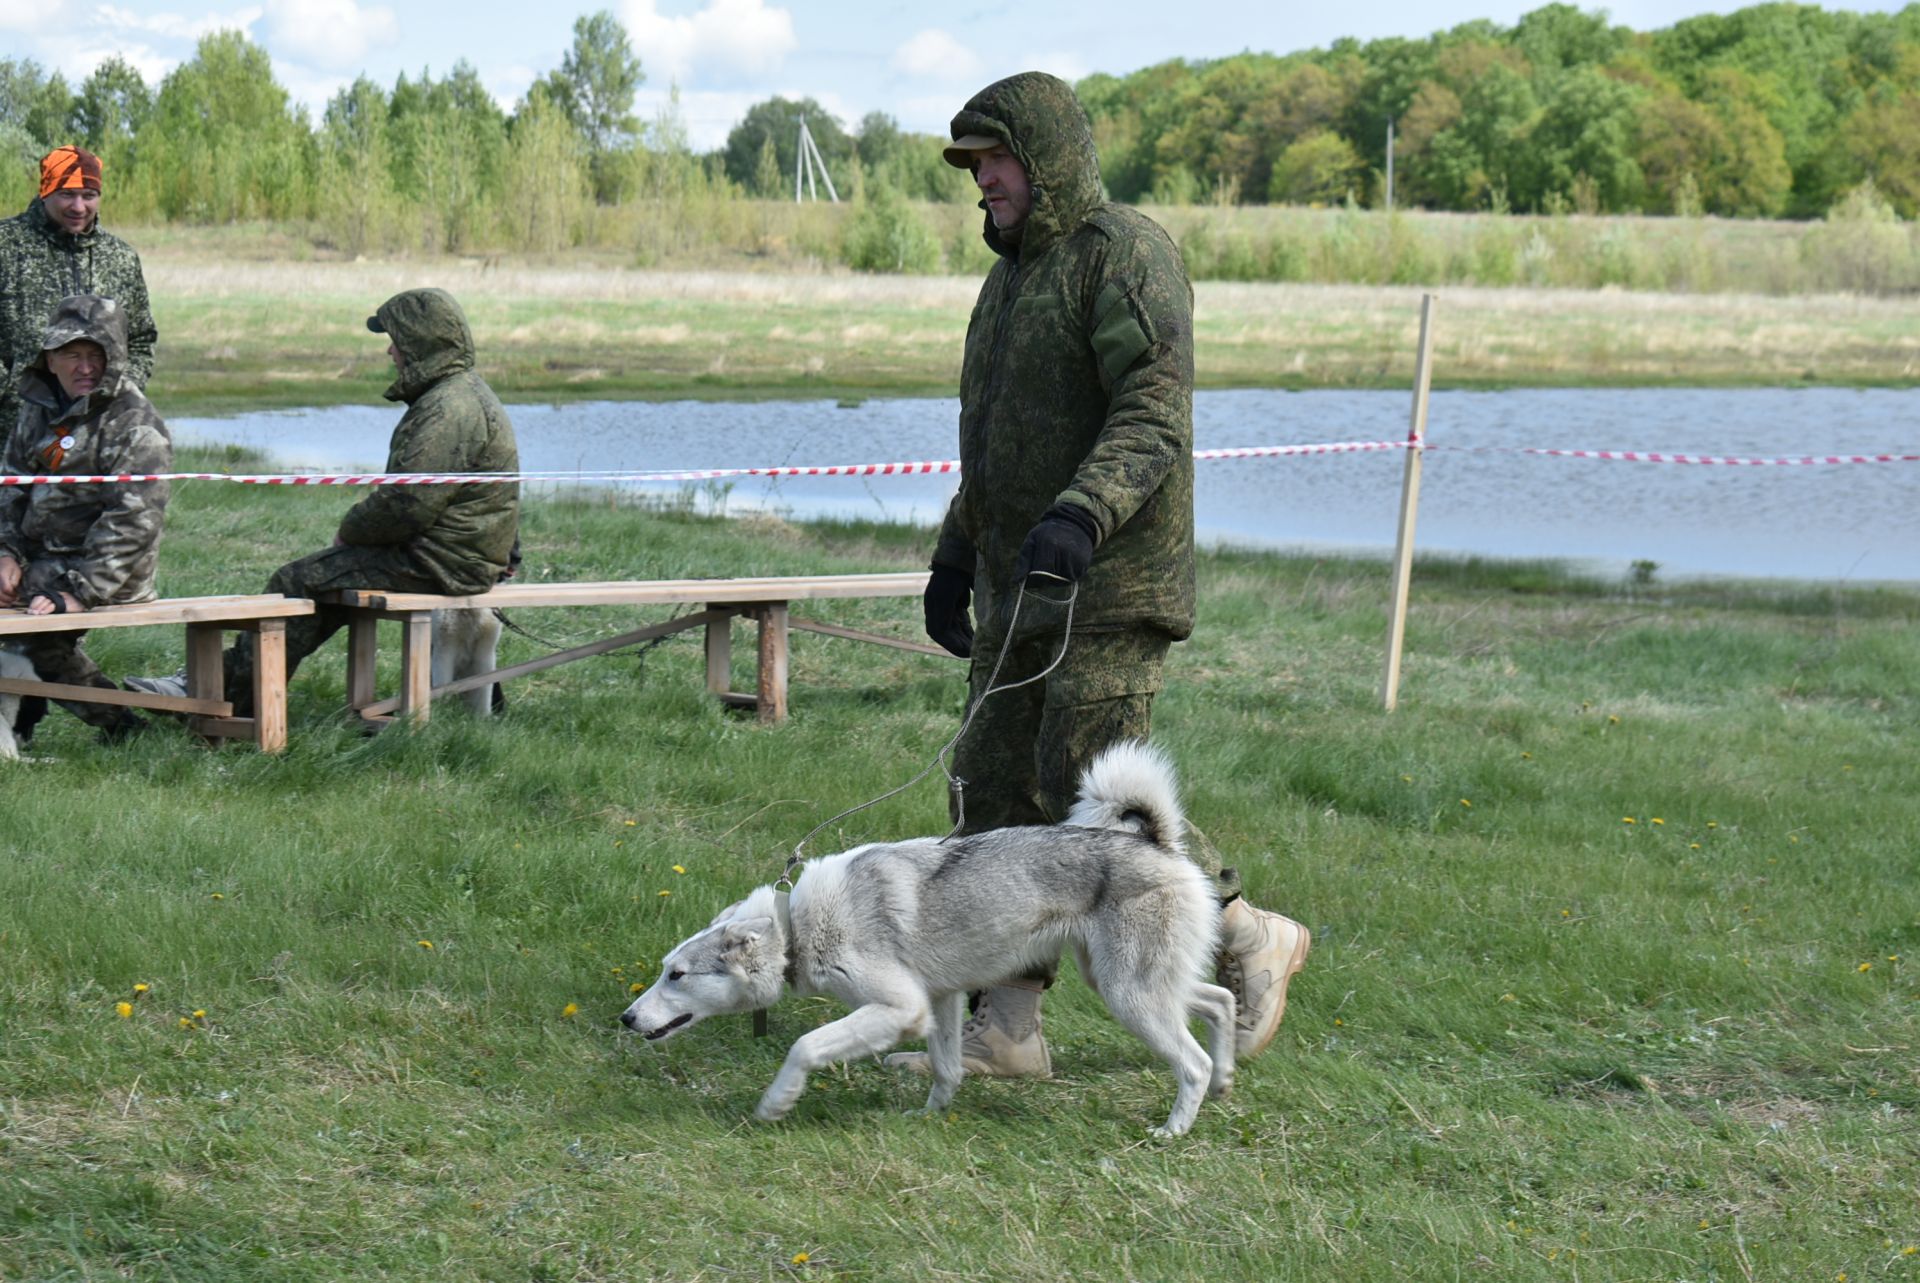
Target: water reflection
1859,522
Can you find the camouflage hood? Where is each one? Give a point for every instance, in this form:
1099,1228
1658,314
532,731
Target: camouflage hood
430,330
80,316
1046,129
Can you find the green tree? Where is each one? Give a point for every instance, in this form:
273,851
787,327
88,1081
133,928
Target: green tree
1319,169
223,142
448,146
357,204
594,87
1586,133
546,187
112,106
777,121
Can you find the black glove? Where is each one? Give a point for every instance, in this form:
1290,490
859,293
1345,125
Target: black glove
945,603
1059,546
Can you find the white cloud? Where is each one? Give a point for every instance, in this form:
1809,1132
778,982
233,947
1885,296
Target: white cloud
24,15
729,40
172,26
934,55
330,33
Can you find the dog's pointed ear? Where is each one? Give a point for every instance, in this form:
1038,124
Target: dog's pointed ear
726,913
741,935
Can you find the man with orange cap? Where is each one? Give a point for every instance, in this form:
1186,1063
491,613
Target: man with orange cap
53,251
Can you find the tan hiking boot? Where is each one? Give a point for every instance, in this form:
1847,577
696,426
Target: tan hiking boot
1002,1037
1259,952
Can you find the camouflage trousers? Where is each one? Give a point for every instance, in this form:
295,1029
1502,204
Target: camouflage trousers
1021,759
341,566
60,657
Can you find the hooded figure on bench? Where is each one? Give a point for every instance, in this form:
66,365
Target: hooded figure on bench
68,548
451,539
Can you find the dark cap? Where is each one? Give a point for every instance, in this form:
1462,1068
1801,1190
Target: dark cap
373,323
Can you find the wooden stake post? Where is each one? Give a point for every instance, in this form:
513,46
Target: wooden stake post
1409,508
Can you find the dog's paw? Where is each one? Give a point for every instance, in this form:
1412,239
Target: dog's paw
1167,1132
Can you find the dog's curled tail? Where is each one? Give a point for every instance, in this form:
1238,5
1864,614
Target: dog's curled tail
1131,786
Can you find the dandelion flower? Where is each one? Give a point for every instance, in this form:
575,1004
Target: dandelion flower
139,989
570,1010
636,987
801,1258
1865,966
199,1013
1628,819
631,823
1467,804
1526,757
1658,820
216,896
125,1009
1507,997
1406,779
186,1023
1566,913
425,944
1693,846
1612,719
1703,1223
664,894
678,868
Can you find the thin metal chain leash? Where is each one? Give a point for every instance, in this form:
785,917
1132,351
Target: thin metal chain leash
955,785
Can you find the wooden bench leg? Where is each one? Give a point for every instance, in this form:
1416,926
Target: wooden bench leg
719,653
363,651
270,686
206,675
416,666
773,661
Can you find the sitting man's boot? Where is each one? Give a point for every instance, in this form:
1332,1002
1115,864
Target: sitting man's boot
1002,1037
1259,953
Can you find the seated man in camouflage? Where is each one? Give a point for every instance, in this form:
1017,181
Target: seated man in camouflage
65,549
454,539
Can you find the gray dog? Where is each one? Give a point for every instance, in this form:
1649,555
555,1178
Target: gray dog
902,931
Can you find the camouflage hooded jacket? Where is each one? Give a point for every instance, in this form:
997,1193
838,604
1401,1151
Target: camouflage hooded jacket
99,541
1077,381
42,263
462,534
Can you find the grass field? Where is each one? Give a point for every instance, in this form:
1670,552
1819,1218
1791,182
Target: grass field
1614,975
244,326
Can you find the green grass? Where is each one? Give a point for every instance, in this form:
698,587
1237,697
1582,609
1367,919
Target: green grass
1533,1040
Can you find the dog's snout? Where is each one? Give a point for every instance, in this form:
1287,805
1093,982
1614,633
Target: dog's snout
626,1018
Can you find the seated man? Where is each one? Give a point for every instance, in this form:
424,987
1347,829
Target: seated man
65,549
453,539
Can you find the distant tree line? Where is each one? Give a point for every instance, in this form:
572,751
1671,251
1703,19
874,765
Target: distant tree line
432,164
1776,110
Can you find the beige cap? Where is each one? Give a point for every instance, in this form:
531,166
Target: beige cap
959,152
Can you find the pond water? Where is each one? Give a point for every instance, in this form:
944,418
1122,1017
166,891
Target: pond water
1835,522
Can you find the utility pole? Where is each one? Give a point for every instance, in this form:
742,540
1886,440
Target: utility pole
1389,164
807,159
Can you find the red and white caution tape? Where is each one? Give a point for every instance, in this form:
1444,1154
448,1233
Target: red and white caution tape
925,468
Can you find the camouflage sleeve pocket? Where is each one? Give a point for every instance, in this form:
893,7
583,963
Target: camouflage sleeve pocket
1118,339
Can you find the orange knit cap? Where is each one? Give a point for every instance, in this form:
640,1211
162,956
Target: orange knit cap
68,167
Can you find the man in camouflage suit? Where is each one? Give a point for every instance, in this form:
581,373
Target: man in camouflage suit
56,249
1076,453
65,549
453,539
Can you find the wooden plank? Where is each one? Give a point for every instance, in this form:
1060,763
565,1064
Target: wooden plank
363,641
206,671
179,610
773,661
416,666
270,685
649,592
878,639
118,698
720,652
380,708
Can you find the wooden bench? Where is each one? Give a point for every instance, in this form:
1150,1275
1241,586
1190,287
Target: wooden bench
206,706
764,600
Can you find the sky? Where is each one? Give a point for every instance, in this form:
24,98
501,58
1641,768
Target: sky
917,62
